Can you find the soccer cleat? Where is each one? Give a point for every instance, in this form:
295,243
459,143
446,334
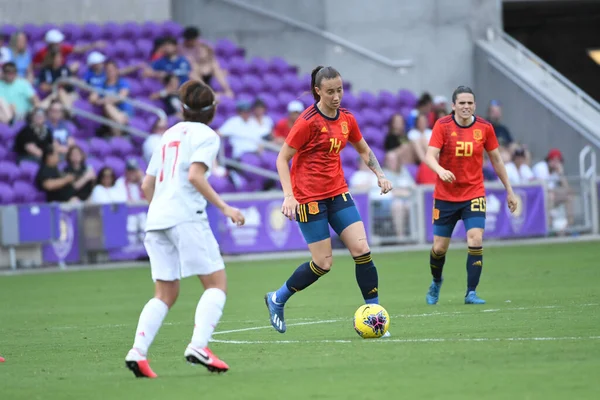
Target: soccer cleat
471,298
2,359
275,312
138,364
386,335
205,357
433,295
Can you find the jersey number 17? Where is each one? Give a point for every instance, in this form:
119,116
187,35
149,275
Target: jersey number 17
168,151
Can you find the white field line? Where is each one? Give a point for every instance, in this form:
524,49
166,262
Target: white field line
419,340
308,321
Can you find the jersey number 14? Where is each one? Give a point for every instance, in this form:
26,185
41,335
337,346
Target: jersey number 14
167,151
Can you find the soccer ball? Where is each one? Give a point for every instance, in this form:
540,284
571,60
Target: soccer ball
371,321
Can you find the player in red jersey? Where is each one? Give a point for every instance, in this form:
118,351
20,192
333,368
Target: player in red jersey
455,154
316,193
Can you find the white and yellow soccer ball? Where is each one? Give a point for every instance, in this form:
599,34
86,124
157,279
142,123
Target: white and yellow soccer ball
371,321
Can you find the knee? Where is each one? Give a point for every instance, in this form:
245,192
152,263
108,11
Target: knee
168,298
360,248
440,247
325,263
475,239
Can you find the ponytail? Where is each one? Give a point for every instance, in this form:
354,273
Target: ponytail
317,75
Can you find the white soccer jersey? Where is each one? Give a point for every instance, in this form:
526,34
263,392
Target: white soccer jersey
175,199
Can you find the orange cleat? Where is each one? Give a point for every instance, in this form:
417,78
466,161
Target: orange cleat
2,359
138,364
205,357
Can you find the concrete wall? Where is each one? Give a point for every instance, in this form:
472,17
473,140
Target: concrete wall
18,12
438,35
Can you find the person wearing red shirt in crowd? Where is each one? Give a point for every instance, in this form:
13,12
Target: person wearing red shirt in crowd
459,141
284,125
54,40
316,192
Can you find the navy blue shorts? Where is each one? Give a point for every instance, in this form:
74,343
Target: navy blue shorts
447,213
315,217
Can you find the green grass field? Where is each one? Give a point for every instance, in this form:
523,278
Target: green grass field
65,335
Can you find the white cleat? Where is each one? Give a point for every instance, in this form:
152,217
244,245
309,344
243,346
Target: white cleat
386,335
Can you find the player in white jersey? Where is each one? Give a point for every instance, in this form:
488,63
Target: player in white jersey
178,239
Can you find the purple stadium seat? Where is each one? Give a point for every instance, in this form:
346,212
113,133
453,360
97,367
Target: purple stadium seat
269,160
151,30
367,100
95,163
379,154
370,117
349,157
116,164
3,151
273,83
171,28
252,84
217,122
130,31
226,48
140,123
99,147
387,99
71,31
235,83
112,31
278,66
238,66
8,30
374,137
406,98
5,133
84,145
28,170
270,101
91,32
8,171
135,89
259,66
6,194
221,184
24,192
34,33
120,146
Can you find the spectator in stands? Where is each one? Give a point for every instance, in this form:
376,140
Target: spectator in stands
5,54
397,142
33,138
105,191
85,176
560,197
58,125
17,96
203,60
130,185
57,186
243,135
505,139
54,68
54,42
21,55
170,63
95,75
419,136
264,123
424,106
517,169
169,96
157,49
153,140
440,108
284,125
114,106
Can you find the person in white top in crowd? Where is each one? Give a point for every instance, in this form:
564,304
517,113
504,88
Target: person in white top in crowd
152,141
560,197
130,184
243,133
517,170
104,192
420,135
179,240
264,123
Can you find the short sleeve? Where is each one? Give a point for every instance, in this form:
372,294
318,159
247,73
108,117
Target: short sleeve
491,141
158,65
206,150
437,136
298,135
155,161
355,134
123,84
28,89
414,135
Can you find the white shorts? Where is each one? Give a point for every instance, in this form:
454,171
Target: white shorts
184,250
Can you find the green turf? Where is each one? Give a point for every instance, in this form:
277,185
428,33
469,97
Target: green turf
65,335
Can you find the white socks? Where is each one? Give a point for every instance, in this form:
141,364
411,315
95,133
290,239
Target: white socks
208,314
151,319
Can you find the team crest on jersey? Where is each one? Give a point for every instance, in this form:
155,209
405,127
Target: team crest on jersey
313,208
477,134
345,130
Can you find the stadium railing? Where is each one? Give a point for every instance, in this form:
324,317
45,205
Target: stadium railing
103,120
32,234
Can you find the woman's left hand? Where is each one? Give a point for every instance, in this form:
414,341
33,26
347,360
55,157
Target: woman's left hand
384,184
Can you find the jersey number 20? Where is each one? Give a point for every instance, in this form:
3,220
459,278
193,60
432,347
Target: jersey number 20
464,149
167,157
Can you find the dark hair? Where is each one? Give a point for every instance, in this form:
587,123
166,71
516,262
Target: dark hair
198,101
191,32
169,40
46,153
317,76
70,152
424,100
8,66
258,102
460,90
101,175
391,121
167,78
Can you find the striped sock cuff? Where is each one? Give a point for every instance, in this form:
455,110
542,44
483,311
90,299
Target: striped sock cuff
363,259
317,270
476,251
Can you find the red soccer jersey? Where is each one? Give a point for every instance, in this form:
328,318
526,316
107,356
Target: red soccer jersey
316,168
65,50
461,152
